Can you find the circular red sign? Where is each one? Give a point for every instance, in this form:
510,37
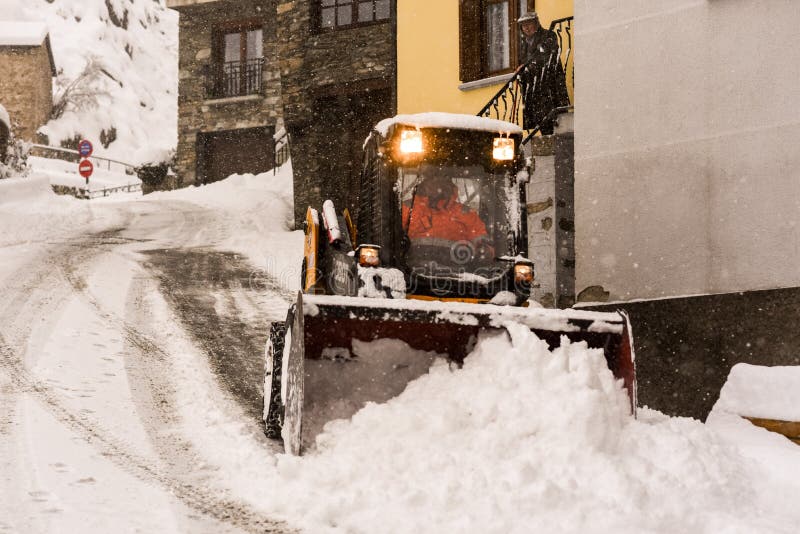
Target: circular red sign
85,168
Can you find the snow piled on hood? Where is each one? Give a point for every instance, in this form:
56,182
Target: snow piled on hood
520,440
138,80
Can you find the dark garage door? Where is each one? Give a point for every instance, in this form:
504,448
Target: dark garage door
220,154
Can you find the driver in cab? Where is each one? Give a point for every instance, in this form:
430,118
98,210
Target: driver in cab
436,212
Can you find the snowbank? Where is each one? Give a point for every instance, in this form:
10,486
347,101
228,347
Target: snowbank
30,211
521,440
758,391
65,173
254,217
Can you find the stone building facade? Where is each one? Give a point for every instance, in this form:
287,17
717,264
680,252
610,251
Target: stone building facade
328,76
338,79
26,76
229,96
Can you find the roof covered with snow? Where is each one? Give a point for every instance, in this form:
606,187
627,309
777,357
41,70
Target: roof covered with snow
18,33
24,33
437,119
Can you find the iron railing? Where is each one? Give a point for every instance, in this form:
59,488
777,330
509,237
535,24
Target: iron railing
234,78
282,154
508,103
68,154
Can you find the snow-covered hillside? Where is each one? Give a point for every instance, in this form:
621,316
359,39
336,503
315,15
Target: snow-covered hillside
118,61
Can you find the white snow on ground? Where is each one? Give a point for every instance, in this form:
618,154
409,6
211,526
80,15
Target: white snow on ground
65,173
255,214
30,211
519,440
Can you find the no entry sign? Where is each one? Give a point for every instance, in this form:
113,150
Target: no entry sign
85,148
85,168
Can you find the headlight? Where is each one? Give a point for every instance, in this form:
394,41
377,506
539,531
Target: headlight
411,142
369,255
503,148
523,273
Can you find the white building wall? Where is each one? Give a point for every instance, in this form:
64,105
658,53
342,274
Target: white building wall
687,146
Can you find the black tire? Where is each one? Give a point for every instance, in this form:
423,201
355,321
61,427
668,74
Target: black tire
273,402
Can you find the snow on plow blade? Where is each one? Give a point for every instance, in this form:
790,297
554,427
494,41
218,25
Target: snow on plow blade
324,383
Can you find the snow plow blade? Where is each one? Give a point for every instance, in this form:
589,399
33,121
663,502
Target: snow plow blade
323,382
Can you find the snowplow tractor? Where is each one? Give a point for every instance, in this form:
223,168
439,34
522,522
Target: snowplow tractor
435,256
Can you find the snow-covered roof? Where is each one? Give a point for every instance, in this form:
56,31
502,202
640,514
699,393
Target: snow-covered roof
437,119
25,33
4,118
18,33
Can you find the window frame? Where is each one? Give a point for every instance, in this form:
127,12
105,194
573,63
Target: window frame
217,67
317,8
473,45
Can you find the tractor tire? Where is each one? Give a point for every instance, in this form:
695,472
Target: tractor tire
273,401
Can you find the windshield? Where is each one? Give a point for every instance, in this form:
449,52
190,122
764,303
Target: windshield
456,220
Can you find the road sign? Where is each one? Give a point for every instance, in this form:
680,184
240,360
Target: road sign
85,168
85,148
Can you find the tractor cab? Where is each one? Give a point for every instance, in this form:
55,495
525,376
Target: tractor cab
441,196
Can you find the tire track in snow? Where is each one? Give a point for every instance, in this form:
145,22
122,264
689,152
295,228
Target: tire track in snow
21,380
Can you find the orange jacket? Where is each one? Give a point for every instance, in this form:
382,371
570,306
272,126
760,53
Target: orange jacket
449,220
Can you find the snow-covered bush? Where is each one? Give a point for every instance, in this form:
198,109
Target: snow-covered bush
81,92
15,163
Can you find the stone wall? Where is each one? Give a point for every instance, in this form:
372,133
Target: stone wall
26,88
316,65
196,113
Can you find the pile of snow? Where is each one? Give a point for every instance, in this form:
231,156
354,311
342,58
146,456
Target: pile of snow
30,211
523,440
254,216
65,173
765,392
131,49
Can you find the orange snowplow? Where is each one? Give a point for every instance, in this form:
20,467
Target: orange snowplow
435,282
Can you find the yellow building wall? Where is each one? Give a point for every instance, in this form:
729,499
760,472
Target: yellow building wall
427,56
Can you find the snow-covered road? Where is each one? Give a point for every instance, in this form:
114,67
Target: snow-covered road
131,336
91,421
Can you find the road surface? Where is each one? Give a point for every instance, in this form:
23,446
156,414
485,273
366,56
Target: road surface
111,344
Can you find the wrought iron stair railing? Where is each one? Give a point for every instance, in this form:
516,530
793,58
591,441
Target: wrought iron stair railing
508,103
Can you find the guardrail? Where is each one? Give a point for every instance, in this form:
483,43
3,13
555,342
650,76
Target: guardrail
99,162
88,194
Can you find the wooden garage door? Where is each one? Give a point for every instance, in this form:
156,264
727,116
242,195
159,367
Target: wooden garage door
220,154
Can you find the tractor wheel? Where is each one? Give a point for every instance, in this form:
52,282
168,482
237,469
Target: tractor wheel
273,402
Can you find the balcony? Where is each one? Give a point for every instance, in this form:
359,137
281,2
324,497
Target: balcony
234,78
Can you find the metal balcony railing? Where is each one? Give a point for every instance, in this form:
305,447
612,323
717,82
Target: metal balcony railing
509,102
234,78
